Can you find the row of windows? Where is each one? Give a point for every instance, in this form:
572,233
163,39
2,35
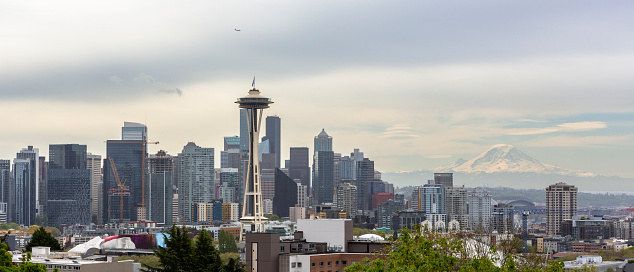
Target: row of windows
64,267
321,264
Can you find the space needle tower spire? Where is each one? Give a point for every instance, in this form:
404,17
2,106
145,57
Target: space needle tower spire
252,211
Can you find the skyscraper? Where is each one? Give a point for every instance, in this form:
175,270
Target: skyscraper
132,131
158,187
32,154
345,198
298,165
127,157
23,208
285,194
196,177
365,174
323,168
252,210
93,163
456,205
480,209
429,198
5,181
274,135
561,203
68,198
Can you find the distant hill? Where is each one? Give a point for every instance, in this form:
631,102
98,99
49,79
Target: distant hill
506,166
539,196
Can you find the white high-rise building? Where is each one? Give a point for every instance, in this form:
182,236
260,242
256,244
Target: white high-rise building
195,177
480,209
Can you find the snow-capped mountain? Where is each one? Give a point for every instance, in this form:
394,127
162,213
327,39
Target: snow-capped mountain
504,158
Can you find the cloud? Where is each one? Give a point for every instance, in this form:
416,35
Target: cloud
399,131
143,77
565,127
171,91
438,156
588,141
116,80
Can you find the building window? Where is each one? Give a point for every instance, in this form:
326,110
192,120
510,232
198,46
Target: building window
329,263
336,263
344,262
282,249
293,264
321,264
312,265
299,264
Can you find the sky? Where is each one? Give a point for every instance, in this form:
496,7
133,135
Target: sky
413,84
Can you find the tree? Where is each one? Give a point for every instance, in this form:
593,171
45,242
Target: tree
419,250
42,238
180,254
26,265
206,256
227,243
272,217
177,253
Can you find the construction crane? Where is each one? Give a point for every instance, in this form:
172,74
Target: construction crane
143,143
121,189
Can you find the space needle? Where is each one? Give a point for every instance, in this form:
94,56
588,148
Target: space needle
252,211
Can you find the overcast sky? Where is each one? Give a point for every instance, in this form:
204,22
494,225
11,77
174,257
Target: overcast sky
413,84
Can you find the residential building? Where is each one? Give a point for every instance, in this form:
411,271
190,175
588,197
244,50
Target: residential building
503,218
480,209
346,199
159,186
195,177
456,205
561,204
386,210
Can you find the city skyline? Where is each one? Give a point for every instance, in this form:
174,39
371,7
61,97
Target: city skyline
413,85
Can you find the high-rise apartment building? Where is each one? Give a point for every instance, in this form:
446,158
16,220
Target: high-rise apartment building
5,182
69,187
323,168
159,192
429,199
561,203
299,168
480,209
195,177
456,205
345,197
274,135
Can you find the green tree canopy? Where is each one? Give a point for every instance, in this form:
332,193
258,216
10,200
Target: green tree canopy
6,265
419,250
227,243
42,238
180,254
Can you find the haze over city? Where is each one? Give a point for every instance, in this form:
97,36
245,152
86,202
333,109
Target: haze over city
414,85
